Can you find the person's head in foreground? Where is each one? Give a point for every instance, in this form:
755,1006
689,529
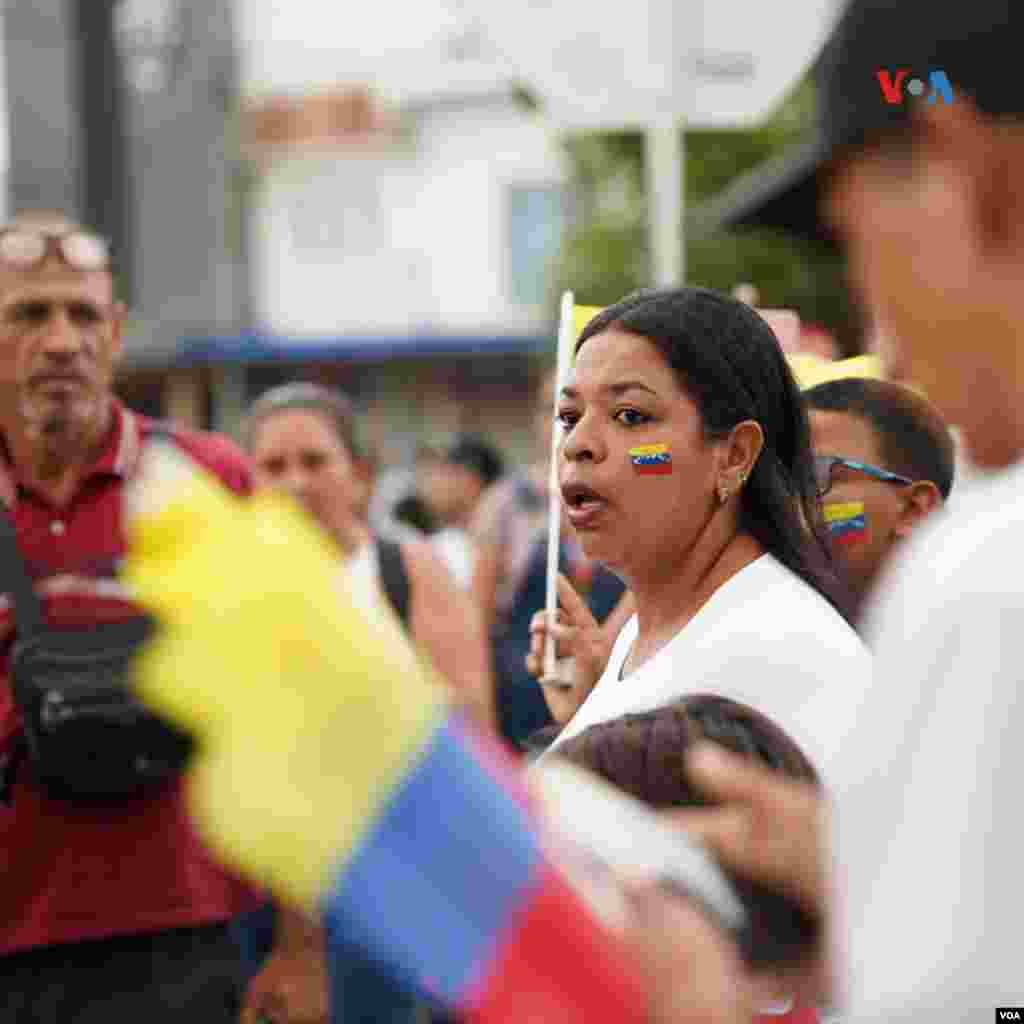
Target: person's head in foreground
685,438
644,755
923,128
302,438
884,461
455,478
62,338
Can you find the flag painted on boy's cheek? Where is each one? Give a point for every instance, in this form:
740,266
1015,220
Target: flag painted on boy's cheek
846,522
651,460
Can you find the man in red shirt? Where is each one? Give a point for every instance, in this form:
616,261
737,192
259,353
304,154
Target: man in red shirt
112,913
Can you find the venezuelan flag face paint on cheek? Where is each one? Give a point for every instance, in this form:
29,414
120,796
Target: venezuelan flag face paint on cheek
651,460
846,522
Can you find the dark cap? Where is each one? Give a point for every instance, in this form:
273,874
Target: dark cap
885,57
475,454
972,44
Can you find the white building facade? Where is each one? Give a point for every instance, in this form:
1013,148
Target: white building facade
448,225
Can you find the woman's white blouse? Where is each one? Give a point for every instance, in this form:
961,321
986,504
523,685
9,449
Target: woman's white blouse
765,638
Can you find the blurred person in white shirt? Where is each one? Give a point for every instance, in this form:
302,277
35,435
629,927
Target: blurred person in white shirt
303,439
452,480
927,192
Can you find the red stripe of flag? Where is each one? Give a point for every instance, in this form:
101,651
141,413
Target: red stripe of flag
854,536
558,964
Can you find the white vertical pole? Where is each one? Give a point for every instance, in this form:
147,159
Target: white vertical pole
664,162
679,27
566,339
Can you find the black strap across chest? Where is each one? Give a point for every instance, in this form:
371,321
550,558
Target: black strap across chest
14,577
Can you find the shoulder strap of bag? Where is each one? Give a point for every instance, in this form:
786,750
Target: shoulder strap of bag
394,578
28,609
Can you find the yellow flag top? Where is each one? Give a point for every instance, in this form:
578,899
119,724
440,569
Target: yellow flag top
574,319
810,370
582,316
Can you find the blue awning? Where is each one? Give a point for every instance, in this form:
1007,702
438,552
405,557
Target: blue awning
258,348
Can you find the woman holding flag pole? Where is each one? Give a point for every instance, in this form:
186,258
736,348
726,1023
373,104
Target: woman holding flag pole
686,467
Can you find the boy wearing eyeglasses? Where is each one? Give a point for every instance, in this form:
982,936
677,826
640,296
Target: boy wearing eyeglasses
884,461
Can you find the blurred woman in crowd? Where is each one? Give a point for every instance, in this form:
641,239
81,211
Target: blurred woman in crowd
303,438
452,482
511,517
686,468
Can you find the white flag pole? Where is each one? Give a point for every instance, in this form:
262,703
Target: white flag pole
566,339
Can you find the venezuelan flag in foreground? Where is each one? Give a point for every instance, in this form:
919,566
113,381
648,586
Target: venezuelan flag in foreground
332,769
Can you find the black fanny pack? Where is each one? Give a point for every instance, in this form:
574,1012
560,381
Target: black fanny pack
86,738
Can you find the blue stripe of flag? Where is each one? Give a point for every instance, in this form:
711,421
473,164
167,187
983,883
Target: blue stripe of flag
841,526
433,890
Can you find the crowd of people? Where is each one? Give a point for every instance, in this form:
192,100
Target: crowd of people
779,636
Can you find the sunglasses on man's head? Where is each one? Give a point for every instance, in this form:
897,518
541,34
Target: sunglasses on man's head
26,249
825,465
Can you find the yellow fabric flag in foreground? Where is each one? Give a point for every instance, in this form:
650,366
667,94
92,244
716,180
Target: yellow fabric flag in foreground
318,707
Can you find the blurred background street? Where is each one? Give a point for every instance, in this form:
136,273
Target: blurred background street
373,201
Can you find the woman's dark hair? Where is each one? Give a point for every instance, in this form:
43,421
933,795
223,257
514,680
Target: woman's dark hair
413,511
643,753
729,361
334,406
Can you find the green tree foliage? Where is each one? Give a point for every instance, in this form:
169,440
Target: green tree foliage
606,253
